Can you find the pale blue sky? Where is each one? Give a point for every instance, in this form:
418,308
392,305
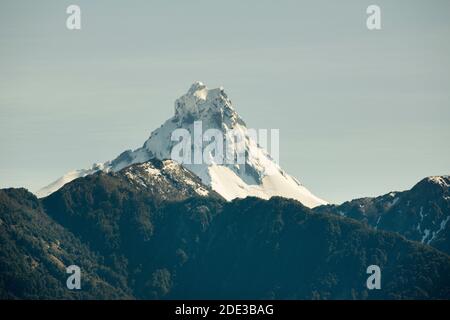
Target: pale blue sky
361,112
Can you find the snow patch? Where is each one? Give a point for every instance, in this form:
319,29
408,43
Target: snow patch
439,180
377,223
426,233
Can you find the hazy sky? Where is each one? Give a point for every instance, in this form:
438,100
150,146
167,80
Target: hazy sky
360,112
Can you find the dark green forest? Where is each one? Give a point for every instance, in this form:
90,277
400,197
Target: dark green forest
135,244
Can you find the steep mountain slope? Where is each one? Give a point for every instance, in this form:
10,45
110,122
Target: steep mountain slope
35,251
421,214
258,175
205,247
105,207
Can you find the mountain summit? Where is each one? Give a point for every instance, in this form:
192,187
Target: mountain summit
204,109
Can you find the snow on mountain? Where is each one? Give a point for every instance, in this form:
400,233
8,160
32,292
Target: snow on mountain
72,175
420,214
258,175
163,178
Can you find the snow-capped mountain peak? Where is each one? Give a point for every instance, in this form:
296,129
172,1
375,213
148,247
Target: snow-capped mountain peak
201,109
201,103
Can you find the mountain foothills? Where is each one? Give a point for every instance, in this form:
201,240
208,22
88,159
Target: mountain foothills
154,230
421,214
34,253
202,109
